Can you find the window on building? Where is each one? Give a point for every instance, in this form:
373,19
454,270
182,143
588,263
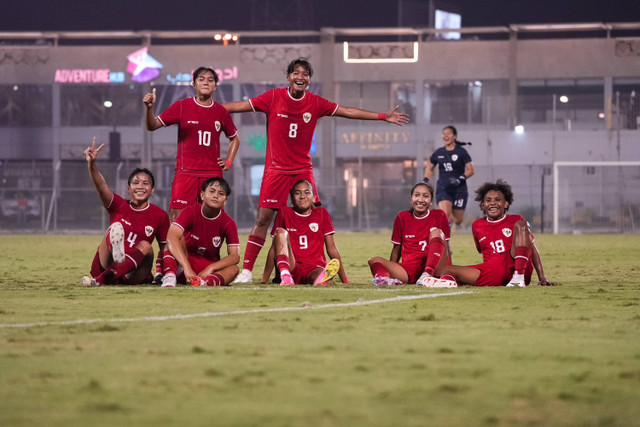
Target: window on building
25,105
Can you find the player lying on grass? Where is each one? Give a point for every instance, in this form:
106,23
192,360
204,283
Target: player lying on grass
419,238
300,235
125,254
509,254
195,238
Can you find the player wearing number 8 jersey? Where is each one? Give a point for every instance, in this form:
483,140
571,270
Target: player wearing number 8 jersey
292,114
509,254
200,122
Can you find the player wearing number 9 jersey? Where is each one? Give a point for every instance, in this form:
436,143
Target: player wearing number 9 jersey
292,114
509,253
200,122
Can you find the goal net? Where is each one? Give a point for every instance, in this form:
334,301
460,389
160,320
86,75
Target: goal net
596,197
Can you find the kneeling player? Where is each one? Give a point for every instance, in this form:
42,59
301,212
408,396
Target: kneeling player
300,235
125,255
509,254
196,236
418,238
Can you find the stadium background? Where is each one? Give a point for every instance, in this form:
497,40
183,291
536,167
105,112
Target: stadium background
486,84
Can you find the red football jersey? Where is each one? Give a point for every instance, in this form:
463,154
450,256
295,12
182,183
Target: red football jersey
494,237
199,129
412,233
139,224
306,234
290,126
204,236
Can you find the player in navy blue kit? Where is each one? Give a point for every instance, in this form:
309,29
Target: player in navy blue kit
454,168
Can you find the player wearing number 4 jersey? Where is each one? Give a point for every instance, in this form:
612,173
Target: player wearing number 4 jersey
125,254
509,253
300,235
419,243
200,122
292,114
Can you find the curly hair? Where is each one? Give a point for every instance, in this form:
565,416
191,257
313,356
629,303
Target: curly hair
500,185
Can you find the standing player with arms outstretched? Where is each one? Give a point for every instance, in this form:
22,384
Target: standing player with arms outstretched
300,235
196,236
125,255
292,114
454,168
419,249
200,122
509,253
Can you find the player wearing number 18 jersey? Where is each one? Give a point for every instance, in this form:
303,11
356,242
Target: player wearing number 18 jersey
292,114
200,122
509,254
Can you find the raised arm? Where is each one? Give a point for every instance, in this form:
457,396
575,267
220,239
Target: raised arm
537,264
238,106
151,120
332,251
91,154
391,116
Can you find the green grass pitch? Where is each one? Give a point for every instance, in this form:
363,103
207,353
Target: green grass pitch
264,356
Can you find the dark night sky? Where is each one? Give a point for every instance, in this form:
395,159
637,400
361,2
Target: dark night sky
235,15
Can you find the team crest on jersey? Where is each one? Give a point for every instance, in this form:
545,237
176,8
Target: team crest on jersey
218,125
148,230
454,157
216,241
306,117
313,226
506,232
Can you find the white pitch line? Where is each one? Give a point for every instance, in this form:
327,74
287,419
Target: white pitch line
228,313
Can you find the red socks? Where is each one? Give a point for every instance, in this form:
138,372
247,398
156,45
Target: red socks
282,262
522,256
378,270
254,245
435,252
214,279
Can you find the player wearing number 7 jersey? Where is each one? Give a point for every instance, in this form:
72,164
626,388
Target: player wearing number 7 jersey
125,254
509,253
200,122
292,114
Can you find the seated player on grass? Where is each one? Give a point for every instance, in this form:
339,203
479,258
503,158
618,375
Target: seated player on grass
419,238
300,235
125,254
509,254
195,238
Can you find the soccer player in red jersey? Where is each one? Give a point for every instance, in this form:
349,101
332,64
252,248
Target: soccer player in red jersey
300,235
200,122
125,254
292,114
419,239
196,236
509,253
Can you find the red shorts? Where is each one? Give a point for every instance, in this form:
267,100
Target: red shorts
197,263
275,187
414,268
499,270
186,189
301,273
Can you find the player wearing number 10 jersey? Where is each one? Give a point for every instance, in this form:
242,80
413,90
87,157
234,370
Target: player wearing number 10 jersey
200,122
292,114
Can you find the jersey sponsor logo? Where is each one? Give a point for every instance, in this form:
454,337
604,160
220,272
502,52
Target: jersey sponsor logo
125,221
506,232
284,116
306,117
409,236
193,122
216,241
194,237
292,229
271,200
148,230
314,227
482,239
441,157
201,250
182,202
218,126
454,157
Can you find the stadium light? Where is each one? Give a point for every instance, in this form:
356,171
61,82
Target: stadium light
107,104
519,129
564,99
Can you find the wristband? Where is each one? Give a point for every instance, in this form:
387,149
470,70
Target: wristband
228,163
462,177
382,116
